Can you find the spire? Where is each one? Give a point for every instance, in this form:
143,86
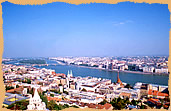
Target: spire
118,79
71,73
35,102
36,95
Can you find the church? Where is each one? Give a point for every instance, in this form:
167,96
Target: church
35,102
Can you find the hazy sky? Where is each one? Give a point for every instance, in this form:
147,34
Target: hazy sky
96,29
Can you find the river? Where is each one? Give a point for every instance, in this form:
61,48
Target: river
130,78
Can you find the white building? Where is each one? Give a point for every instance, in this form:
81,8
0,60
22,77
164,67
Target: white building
69,74
162,70
35,103
148,69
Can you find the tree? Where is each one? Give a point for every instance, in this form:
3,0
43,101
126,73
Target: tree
52,95
119,99
8,87
43,93
6,71
128,86
18,69
28,81
118,103
44,99
134,102
31,91
74,106
103,102
66,106
167,99
142,107
127,101
28,91
51,105
56,91
60,107
20,105
84,90
12,69
60,85
17,86
65,92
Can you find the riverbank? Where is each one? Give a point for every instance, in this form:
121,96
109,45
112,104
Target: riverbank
130,78
115,70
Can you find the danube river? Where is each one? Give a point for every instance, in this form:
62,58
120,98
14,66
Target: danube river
130,78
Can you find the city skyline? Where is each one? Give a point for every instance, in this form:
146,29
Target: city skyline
95,29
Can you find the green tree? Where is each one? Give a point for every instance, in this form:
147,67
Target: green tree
142,106
28,81
56,91
44,99
60,107
127,101
65,92
128,86
31,91
43,93
60,85
17,86
18,69
51,105
118,103
8,87
103,102
134,102
84,90
74,106
52,95
12,69
20,105
6,71
28,91
66,106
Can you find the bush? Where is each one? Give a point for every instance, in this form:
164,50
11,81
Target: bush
103,102
84,90
53,106
65,92
52,95
134,102
20,105
8,87
17,86
74,106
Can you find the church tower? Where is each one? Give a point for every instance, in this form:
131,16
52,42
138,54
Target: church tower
118,80
35,102
69,74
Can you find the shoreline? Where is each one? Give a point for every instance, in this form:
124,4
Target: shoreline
125,71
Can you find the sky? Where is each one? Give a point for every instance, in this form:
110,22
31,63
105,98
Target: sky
96,29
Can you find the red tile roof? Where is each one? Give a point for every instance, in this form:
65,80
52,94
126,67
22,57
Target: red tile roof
155,101
53,98
156,93
99,106
19,89
107,106
125,94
